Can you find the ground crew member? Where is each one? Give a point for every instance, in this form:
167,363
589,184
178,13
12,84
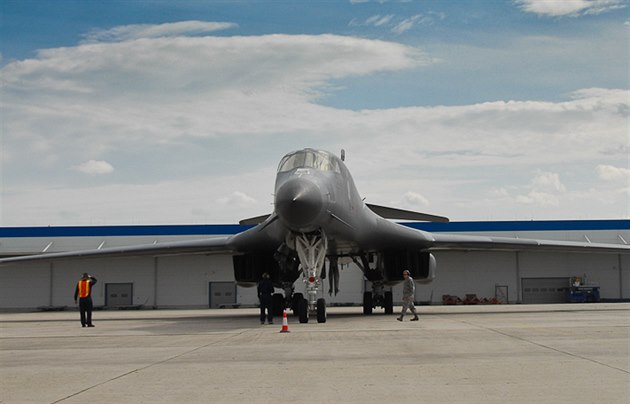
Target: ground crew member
84,292
409,292
265,292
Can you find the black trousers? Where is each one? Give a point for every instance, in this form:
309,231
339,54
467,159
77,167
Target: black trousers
85,307
266,303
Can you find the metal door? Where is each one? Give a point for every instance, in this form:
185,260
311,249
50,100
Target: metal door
544,290
118,294
222,294
501,293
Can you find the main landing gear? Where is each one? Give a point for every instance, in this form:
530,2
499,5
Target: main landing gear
377,297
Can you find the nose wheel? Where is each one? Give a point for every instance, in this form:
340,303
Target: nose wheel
321,310
303,311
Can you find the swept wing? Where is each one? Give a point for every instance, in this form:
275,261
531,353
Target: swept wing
213,245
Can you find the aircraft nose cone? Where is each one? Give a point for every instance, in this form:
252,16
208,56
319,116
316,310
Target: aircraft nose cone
298,203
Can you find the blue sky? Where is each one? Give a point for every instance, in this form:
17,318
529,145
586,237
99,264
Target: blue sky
440,27
176,112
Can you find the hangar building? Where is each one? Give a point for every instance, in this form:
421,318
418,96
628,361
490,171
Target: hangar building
198,281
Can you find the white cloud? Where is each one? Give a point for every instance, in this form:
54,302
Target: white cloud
237,198
167,109
101,96
611,173
545,190
414,198
571,8
548,182
407,24
379,20
396,24
94,167
131,32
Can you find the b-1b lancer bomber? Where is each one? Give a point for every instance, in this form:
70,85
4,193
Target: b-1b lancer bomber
319,216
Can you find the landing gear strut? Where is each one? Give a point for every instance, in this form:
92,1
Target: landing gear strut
311,250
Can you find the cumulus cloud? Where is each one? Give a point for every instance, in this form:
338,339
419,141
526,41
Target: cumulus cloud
94,167
571,8
174,105
612,173
548,182
162,89
545,190
137,31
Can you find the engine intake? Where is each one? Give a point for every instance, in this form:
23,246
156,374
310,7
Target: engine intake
420,264
248,268
282,268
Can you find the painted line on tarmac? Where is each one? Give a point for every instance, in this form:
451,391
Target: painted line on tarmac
494,330
150,365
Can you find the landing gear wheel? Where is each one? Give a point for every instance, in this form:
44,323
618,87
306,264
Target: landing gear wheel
321,310
367,303
277,304
303,311
295,303
389,303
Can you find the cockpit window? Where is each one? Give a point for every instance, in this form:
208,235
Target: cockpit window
316,159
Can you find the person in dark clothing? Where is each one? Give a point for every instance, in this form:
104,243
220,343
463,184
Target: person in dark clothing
83,291
265,292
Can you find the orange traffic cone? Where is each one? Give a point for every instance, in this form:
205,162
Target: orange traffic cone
285,323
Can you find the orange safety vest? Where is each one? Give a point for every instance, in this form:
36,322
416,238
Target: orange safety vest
84,288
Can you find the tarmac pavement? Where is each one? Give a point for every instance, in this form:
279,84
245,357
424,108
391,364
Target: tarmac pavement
465,354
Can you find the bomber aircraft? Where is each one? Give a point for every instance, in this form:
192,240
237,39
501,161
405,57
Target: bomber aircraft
319,216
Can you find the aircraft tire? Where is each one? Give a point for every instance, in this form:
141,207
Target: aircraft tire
295,303
367,303
321,310
389,302
303,311
277,304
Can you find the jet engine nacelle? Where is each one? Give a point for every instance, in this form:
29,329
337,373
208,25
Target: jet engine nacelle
420,264
248,269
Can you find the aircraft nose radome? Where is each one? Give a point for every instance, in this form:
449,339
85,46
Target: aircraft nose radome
298,203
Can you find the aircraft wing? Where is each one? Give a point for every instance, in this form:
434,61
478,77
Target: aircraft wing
213,245
442,242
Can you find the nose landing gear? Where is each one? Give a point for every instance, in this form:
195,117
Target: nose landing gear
311,249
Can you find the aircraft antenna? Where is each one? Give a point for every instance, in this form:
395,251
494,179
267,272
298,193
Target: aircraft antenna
343,155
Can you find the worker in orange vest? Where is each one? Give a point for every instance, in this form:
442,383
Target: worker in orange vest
84,292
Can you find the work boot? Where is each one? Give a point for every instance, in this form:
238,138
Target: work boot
415,318
399,318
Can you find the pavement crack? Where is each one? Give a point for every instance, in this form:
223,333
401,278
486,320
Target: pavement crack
150,365
560,351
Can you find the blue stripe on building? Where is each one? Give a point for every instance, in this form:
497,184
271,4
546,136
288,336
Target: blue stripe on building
226,229
544,225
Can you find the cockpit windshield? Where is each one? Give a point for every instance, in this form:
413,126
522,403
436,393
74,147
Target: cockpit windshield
317,159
